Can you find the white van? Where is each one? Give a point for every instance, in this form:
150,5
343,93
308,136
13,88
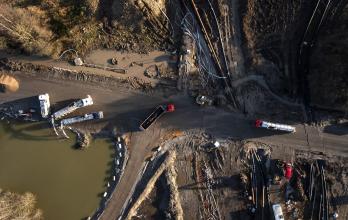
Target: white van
278,213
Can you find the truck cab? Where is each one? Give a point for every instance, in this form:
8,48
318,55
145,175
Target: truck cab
278,212
44,101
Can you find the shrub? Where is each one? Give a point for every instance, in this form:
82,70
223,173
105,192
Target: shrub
16,206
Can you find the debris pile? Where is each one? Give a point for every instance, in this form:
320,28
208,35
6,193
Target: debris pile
83,140
255,180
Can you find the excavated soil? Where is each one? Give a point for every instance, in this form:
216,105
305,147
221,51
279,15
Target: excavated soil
8,83
211,181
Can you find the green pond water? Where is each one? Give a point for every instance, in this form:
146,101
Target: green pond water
68,183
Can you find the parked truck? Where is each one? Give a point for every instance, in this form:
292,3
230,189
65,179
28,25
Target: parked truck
278,212
44,100
72,107
81,118
274,126
158,112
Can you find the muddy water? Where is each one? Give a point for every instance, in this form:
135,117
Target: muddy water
68,182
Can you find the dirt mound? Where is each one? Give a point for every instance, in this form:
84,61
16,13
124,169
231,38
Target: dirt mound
8,83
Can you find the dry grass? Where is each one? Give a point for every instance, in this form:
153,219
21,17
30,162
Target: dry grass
267,17
328,76
16,206
48,27
24,28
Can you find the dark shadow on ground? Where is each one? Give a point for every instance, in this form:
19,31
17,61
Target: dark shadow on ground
61,104
232,182
130,121
22,133
23,104
241,214
127,115
337,129
2,88
162,58
340,200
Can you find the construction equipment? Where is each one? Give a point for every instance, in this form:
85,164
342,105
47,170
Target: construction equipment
72,107
44,101
278,213
274,126
77,119
288,171
158,112
204,100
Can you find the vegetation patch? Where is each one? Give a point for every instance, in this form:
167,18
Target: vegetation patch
47,27
17,206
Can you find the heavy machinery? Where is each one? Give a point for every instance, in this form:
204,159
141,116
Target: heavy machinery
158,112
278,212
44,101
288,171
85,117
72,107
274,126
203,100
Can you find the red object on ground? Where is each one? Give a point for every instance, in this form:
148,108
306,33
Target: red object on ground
258,123
288,171
170,108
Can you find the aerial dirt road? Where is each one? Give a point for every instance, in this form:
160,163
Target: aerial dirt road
125,109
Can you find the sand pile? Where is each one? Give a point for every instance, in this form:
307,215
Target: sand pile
8,83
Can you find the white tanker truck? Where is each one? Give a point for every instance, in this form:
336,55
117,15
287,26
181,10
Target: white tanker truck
274,126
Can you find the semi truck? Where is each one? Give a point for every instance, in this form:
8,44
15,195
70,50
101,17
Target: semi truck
157,113
85,117
274,126
72,107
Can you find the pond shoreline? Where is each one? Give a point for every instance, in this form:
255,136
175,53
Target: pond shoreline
39,153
